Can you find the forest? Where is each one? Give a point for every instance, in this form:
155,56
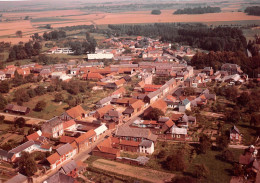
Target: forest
195,35
253,10
250,65
198,10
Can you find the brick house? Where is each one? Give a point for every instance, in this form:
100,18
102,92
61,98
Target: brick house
235,135
53,128
85,140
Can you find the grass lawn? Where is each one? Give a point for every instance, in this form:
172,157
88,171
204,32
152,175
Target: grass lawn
52,108
219,171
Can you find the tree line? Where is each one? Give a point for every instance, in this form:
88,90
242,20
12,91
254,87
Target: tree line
24,51
195,35
198,10
253,10
54,35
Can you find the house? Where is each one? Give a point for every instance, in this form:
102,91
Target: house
57,50
159,104
7,156
184,105
113,116
177,133
70,169
53,128
93,76
134,108
104,101
151,88
11,108
129,139
105,149
235,135
100,56
231,68
86,139
69,125
19,178
29,146
73,113
100,130
102,111
2,76
146,146
63,154
60,177
34,136
119,92
208,71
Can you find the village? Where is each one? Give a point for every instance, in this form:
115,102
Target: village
152,97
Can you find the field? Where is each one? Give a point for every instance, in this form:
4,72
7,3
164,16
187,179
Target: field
140,173
64,18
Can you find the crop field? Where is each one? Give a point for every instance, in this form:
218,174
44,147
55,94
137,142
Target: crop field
63,18
140,173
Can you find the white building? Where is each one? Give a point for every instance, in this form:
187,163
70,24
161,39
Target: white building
57,50
98,56
146,146
2,75
100,130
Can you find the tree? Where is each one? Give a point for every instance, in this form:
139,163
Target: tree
222,141
205,143
154,114
3,102
30,131
243,99
40,90
200,171
2,118
175,162
58,97
20,122
40,105
232,116
4,86
19,33
27,164
183,179
228,156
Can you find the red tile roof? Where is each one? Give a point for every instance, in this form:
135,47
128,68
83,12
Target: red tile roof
129,143
68,124
76,111
95,76
147,122
160,104
53,158
169,123
34,136
119,91
85,136
120,82
66,139
137,104
103,110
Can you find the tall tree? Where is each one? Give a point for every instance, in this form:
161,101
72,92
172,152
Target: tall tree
27,164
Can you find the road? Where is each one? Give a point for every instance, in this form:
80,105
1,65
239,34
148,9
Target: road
28,119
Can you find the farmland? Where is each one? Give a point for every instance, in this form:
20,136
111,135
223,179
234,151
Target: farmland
76,17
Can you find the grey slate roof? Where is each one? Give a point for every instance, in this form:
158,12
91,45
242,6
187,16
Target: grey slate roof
64,149
126,131
22,147
59,178
68,167
146,143
17,179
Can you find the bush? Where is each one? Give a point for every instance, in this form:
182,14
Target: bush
40,106
156,12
